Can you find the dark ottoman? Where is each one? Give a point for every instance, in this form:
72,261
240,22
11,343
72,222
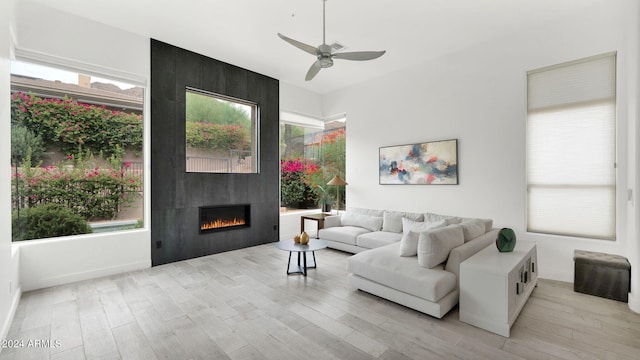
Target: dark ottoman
603,275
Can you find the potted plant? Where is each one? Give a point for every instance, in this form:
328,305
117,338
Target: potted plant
324,199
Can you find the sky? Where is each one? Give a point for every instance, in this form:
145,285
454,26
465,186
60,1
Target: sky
49,73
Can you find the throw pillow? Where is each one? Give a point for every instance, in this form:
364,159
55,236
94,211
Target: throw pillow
488,223
431,217
413,216
472,229
392,221
453,220
410,232
373,223
435,245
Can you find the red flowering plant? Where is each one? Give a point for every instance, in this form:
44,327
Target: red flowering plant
330,147
93,191
296,190
217,137
67,124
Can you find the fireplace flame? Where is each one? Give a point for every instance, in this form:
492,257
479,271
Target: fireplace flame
221,223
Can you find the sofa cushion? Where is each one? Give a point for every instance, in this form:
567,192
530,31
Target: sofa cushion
472,229
431,217
410,233
377,238
434,245
393,220
372,223
363,211
488,223
343,234
384,266
413,216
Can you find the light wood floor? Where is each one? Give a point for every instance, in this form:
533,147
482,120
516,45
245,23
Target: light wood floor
242,305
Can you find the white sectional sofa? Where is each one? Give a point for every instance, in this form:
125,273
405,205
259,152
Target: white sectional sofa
425,278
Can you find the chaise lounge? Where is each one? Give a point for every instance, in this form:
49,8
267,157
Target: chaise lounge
425,278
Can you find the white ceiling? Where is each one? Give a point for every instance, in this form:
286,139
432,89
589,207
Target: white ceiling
243,32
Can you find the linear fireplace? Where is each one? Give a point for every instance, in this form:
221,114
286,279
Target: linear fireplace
226,217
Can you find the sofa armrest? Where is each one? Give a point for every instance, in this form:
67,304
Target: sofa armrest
331,221
466,250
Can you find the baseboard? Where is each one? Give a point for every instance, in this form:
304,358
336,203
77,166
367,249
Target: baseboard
634,303
86,275
555,274
12,312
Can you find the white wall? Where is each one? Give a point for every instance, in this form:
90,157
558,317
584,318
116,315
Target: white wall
478,96
96,48
45,263
290,224
634,165
8,289
297,100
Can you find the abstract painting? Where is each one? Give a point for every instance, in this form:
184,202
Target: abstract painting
429,163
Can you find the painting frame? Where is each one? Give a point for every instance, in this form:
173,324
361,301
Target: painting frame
426,163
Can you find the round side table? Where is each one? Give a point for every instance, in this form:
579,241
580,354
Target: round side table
302,250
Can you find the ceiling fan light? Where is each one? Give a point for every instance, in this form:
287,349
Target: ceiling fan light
325,53
326,62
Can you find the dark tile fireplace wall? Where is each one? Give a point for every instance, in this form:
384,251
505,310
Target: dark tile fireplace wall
177,195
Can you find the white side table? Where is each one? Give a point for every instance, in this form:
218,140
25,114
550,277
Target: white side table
494,286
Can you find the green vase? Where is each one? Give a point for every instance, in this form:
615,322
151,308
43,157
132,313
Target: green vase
506,240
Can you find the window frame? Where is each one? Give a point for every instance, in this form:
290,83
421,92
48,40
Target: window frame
109,74
255,128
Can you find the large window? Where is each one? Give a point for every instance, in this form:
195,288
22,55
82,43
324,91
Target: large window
312,152
76,153
571,174
221,134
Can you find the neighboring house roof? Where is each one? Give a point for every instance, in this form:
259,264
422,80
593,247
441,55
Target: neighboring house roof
130,100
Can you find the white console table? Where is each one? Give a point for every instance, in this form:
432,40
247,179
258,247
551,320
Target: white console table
494,286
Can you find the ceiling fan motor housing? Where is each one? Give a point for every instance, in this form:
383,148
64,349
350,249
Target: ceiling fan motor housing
324,56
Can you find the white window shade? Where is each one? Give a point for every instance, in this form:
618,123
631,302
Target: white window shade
571,175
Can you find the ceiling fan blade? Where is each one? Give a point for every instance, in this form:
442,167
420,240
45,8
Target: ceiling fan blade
313,70
358,55
302,46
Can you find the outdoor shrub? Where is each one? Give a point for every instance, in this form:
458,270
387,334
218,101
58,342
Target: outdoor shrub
69,125
91,191
293,188
215,137
205,108
23,142
45,221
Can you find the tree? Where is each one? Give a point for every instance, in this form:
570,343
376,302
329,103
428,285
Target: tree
24,140
203,108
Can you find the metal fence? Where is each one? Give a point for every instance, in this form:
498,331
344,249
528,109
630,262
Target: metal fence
208,164
239,161
135,168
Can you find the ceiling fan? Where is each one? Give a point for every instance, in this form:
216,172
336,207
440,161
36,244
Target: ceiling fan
324,52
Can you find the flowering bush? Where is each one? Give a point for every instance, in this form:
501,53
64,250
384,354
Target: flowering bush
70,125
294,190
90,191
330,147
203,135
